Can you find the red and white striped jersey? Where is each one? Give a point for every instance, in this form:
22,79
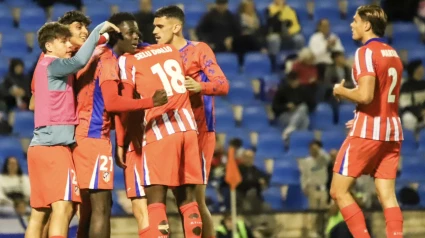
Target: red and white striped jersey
378,120
157,67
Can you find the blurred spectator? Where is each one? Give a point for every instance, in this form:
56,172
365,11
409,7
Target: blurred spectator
364,190
48,3
400,10
14,184
305,68
420,19
5,128
144,18
16,86
224,230
254,181
292,103
283,27
322,43
332,155
21,207
314,176
412,97
338,70
251,38
219,27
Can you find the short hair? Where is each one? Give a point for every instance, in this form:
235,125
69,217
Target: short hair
74,16
51,31
117,19
376,16
5,170
172,11
316,142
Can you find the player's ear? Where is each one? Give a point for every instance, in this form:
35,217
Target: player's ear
49,46
367,26
177,28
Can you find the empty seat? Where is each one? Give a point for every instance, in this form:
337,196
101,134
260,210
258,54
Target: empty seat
327,11
32,19
422,141
228,62
11,146
409,142
24,124
300,140
6,18
285,172
96,10
270,145
240,133
60,9
255,118
128,6
241,95
413,173
333,139
224,119
346,113
323,117
257,64
273,196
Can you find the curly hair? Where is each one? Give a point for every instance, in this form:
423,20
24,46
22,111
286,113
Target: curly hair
50,31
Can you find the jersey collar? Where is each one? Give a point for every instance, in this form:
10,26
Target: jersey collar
374,39
184,47
112,50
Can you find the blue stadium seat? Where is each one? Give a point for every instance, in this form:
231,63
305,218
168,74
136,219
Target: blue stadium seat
409,142
219,102
322,117
192,19
228,62
285,172
224,119
96,10
412,160
32,19
270,145
11,146
116,209
20,3
422,141
413,173
6,18
4,66
60,9
333,139
308,30
328,11
13,44
300,140
295,198
255,118
128,6
241,93
346,113
237,132
257,64
273,197
24,124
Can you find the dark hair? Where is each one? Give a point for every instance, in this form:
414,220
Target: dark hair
316,142
335,54
74,16
5,170
50,31
236,142
117,19
292,76
172,11
376,16
13,63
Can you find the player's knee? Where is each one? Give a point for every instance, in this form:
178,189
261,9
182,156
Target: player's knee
65,208
337,193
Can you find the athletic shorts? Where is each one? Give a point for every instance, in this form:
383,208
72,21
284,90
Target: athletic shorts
206,143
52,176
172,161
94,163
359,156
133,173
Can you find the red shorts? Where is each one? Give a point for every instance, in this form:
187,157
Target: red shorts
94,163
52,176
173,160
359,156
206,143
133,173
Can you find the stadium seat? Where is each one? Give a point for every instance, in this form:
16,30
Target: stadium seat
127,6
224,119
255,118
4,66
116,209
285,172
21,3
323,117
211,193
6,18
295,198
273,197
241,95
422,141
413,173
300,140
228,62
270,145
333,139
32,19
346,113
11,146
60,9
328,11
257,64
24,124
237,132
409,142
96,10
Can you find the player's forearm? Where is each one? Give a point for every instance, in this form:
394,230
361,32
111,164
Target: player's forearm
355,95
218,87
116,103
32,103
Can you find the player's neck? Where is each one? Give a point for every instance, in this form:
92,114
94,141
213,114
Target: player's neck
117,51
179,42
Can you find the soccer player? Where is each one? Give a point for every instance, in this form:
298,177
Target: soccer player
77,23
97,98
52,176
205,81
373,144
170,152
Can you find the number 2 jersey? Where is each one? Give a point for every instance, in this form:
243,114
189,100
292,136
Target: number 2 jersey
378,120
157,67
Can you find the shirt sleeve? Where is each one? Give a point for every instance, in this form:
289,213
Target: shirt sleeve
363,61
107,70
122,118
63,67
218,84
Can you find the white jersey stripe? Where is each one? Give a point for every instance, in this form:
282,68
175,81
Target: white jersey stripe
189,119
147,179
368,60
356,117
179,120
346,162
168,125
388,131
121,64
67,196
396,133
94,174
401,131
133,75
357,62
364,127
156,130
376,127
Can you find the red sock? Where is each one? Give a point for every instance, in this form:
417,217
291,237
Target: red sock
158,222
355,220
394,221
144,233
192,220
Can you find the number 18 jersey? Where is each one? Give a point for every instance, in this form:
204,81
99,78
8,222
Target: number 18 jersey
378,120
160,67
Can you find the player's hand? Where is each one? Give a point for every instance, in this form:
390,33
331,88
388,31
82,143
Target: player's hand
120,159
191,85
109,27
338,88
349,124
159,98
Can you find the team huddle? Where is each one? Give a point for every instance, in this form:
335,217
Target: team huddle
157,97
